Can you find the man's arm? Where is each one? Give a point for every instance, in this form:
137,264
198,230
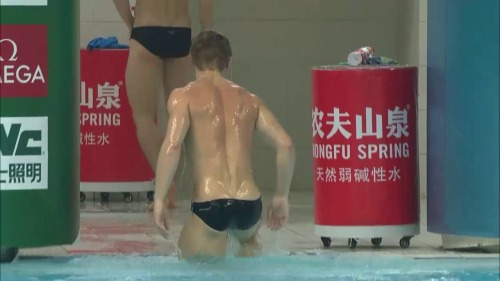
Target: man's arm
205,14
123,8
270,127
168,159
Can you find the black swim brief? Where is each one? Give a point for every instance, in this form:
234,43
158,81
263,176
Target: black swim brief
224,214
162,41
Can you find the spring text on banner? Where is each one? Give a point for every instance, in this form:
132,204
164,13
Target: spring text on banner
362,175
100,106
329,124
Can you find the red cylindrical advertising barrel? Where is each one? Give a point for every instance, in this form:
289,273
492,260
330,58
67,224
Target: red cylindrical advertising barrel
365,154
111,158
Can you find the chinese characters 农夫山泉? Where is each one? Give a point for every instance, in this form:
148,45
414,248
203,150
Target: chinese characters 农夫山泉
21,173
329,124
89,138
343,175
108,96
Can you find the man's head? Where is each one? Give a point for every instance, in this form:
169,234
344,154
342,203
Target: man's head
210,50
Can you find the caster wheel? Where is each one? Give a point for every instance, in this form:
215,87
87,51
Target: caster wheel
376,241
151,196
352,243
82,197
404,242
128,197
104,196
8,254
326,241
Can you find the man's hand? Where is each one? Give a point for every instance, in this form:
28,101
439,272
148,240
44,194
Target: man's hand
123,9
161,218
277,214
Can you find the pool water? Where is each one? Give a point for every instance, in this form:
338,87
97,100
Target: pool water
346,267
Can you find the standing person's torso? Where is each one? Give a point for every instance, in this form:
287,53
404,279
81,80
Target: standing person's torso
219,142
174,13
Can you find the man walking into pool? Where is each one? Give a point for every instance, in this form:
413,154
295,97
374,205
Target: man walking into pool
217,118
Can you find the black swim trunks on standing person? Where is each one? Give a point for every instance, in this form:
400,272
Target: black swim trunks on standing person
224,214
162,41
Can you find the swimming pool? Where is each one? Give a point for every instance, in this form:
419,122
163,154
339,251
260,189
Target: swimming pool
345,267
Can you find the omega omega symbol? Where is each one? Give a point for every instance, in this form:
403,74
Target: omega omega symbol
13,57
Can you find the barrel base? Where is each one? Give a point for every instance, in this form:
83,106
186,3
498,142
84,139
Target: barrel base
8,254
367,231
117,186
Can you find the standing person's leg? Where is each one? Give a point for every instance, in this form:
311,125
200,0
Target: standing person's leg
249,241
248,215
199,240
177,73
143,80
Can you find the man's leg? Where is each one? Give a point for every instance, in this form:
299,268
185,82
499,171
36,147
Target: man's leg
143,80
177,73
199,240
249,241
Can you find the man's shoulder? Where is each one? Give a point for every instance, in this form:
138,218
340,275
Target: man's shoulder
182,91
178,96
243,91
